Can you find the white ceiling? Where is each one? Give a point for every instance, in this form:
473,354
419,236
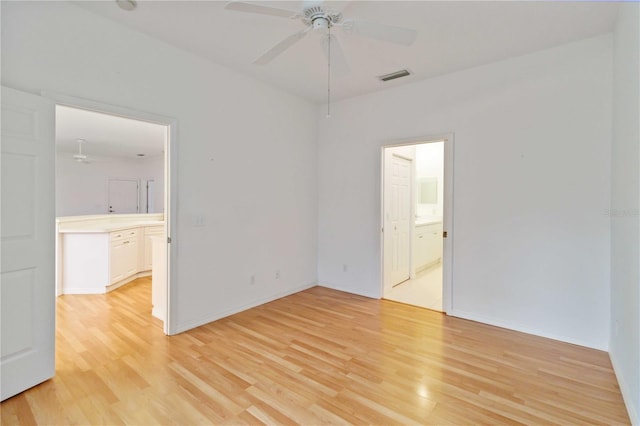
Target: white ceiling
451,36
106,135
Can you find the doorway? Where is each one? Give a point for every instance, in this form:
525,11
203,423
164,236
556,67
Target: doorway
113,186
29,231
123,196
416,222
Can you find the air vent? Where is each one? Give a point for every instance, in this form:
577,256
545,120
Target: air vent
394,75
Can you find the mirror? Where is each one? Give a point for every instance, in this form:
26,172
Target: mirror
428,190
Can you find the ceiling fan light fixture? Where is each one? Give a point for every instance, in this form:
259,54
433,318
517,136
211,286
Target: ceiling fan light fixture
80,157
320,23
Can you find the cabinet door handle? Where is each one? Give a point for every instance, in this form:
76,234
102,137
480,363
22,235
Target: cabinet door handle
126,242
420,236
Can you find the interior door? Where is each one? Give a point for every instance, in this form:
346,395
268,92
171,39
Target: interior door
123,196
27,288
397,228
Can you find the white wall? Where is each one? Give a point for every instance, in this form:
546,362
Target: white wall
531,163
82,188
246,152
625,207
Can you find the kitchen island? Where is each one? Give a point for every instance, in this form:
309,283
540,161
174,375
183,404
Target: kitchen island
99,253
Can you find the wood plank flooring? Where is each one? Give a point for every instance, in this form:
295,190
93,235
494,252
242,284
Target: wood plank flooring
316,357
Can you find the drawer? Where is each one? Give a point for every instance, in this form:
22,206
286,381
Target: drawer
154,230
124,234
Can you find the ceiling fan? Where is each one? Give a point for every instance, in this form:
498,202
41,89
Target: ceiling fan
318,17
80,157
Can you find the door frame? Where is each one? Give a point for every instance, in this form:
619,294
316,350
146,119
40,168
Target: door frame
447,218
170,180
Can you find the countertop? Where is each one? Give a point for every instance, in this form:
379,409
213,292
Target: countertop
422,221
106,223
89,228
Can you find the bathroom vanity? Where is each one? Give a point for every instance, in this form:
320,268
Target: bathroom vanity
428,243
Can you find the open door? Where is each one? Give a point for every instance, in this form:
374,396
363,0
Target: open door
397,219
27,288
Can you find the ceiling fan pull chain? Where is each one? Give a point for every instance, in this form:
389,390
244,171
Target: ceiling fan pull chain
329,72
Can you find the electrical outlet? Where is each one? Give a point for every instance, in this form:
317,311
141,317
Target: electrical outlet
277,275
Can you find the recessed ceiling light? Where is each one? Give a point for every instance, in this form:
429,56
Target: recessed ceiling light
127,4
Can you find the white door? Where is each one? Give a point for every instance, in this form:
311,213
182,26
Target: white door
123,196
397,223
27,238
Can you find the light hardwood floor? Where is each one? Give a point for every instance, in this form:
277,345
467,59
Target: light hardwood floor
316,357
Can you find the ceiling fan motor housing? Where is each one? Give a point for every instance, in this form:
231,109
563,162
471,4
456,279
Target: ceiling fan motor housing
320,18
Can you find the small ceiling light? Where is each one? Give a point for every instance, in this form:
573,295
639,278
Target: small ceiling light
140,155
127,4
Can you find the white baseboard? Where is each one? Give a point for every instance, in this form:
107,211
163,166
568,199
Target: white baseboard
523,329
157,313
625,389
81,290
127,280
348,290
188,325
104,289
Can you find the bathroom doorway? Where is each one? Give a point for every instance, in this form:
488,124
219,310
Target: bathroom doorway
416,223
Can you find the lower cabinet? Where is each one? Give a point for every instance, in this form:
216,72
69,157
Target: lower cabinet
428,245
124,259
98,262
150,231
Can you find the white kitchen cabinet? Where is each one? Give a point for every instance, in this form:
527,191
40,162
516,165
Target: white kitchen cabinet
428,245
96,260
124,256
149,232
159,276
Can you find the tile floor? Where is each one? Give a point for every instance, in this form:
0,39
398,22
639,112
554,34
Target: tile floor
424,291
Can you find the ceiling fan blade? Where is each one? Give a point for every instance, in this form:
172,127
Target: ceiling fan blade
397,35
339,64
243,6
276,50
